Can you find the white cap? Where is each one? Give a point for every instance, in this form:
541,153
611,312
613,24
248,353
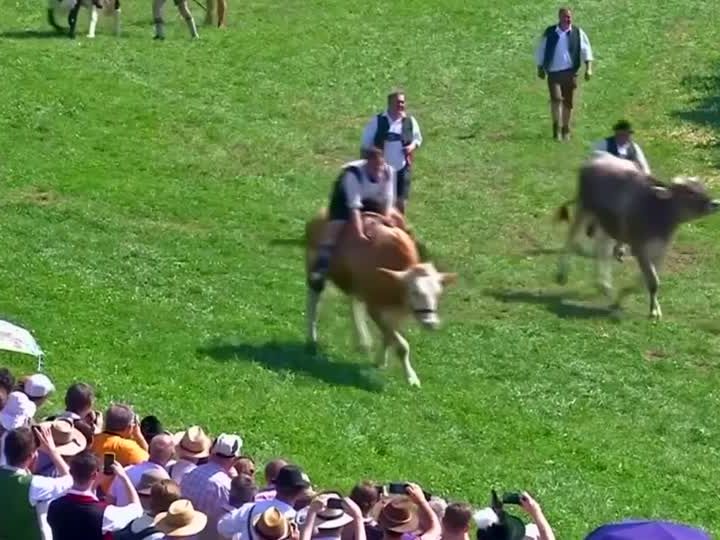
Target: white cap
18,411
227,445
38,386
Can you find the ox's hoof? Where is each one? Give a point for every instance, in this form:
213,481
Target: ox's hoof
364,347
561,278
311,347
413,380
656,315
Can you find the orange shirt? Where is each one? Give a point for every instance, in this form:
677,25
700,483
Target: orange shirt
127,452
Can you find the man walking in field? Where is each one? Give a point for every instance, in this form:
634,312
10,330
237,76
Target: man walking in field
622,145
398,135
562,49
184,10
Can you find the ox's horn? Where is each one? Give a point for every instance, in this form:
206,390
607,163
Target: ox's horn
397,274
447,278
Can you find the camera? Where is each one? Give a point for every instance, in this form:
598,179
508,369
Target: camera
512,498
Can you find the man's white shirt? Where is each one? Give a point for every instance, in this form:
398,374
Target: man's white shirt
394,153
562,58
623,151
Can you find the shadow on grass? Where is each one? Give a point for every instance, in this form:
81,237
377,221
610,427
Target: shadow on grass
33,34
564,306
705,110
295,357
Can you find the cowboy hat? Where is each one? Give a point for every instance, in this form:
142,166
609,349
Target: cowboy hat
192,443
271,525
398,515
149,478
181,519
69,440
331,518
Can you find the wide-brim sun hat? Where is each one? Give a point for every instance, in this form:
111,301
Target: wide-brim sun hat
69,441
331,518
192,443
396,514
181,519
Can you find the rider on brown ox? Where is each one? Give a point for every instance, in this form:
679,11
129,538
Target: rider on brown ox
363,185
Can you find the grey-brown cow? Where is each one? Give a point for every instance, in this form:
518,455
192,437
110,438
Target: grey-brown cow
633,208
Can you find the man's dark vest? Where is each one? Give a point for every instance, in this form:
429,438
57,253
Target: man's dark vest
551,41
368,204
383,134
76,516
18,520
612,148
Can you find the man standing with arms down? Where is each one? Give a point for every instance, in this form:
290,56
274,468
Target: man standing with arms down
398,135
562,49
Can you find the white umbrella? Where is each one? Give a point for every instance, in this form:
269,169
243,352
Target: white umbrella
16,339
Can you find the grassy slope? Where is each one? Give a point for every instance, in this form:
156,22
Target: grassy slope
143,185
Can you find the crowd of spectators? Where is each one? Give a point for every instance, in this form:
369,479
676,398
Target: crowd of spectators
80,474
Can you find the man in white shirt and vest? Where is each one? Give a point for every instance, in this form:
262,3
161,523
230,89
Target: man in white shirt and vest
365,184
562,49
622,145
398,135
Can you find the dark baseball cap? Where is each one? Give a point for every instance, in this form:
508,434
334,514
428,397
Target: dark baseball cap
291,476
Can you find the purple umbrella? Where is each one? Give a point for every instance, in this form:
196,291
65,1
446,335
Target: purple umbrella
647,530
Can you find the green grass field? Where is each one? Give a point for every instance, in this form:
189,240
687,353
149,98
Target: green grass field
147,188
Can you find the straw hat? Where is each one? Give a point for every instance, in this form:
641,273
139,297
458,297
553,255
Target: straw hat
69,441
181,519
271,525
192,443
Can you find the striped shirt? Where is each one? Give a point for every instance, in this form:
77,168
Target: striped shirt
208,489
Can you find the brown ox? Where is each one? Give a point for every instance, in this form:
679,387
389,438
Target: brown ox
383,277
633,208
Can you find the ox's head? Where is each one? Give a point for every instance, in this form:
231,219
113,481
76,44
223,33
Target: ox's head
689,196
422,285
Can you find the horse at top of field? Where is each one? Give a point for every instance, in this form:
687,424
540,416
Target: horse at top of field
383,277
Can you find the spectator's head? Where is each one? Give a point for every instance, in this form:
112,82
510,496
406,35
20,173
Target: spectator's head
180,520
456,520
162,449
366,496
272,469
245,465
18,411
242,490
439,506
290,483
119,420
147,481
330,522
7,383
80,399
151,427
162,495
192,444
398,516
38,388
226,450
20,448
85,470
